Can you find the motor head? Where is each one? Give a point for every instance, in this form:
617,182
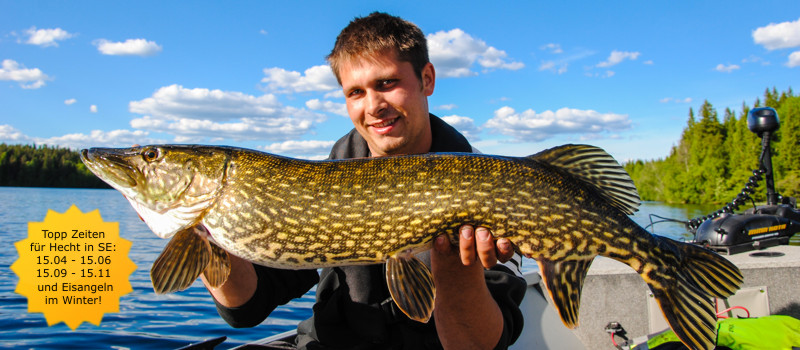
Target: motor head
763,119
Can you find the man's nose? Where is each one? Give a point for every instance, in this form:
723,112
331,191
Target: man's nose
376,103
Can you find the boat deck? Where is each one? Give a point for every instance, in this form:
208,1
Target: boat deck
614,292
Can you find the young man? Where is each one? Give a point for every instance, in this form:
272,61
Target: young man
382,63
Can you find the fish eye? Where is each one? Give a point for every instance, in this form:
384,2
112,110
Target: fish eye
151,154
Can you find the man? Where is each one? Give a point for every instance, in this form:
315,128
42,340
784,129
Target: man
382,64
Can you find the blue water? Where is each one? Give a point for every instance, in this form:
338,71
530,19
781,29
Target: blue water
147,320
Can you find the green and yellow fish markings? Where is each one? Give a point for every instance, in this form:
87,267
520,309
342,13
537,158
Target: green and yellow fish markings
562,207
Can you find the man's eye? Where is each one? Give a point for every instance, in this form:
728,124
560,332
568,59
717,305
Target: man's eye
354,93
388,83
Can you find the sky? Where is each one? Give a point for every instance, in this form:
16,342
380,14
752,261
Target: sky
514,77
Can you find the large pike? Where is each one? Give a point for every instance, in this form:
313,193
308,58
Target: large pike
562,207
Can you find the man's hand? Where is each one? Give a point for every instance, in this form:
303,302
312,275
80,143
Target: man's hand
466,314
479,242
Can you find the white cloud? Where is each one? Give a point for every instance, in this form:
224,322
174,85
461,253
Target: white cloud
531,126
27,78
93,108
192,113
9,134
465,125
726,69
454,52
676,100
447,107
327,106
553,48
552,66
794,59
316,78
96,138
70,101
130,47
616,57
778,36
46,37
302,148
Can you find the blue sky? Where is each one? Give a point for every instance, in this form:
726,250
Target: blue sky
515,77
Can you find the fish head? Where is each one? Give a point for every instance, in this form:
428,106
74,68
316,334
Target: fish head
169,185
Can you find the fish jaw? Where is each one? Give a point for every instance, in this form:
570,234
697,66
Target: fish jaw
169,186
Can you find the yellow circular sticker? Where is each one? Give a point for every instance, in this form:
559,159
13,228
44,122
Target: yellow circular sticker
73,267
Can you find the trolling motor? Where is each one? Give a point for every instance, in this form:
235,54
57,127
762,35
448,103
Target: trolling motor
758,227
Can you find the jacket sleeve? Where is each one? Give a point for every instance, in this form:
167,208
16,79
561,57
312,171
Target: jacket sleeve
507,289
275,287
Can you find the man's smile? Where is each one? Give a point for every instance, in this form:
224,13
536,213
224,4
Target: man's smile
383,127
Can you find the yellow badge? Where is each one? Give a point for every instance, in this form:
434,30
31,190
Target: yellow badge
73,267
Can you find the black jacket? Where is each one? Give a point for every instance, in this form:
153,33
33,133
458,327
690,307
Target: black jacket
354,309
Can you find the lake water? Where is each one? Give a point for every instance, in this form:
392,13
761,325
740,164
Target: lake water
147,320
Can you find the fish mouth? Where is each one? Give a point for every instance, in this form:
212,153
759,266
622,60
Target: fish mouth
111,166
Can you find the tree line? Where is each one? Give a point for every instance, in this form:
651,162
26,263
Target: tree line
714,159
44,166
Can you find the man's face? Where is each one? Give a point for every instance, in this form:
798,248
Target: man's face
388,104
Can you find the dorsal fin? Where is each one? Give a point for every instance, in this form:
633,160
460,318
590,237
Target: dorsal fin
596,168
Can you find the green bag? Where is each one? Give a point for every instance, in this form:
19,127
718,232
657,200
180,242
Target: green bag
768,332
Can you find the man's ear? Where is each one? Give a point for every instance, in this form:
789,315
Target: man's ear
428,79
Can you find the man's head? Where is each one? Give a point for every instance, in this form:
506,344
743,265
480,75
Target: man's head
382,64
380,33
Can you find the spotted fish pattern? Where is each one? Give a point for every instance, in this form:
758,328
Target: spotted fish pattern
562,207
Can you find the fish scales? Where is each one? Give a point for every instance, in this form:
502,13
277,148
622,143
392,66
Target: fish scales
562,207
327,189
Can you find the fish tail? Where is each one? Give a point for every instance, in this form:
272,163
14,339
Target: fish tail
684,293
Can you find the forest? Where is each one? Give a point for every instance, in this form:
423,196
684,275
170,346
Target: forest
44,166
714,158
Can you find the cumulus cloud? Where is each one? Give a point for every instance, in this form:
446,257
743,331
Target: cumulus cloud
555,67
316,78
446,107
130,47
553,48
778,35
95,138
454,52
192,113
27,78
93,108
301,148
676,100
465,125
794,59
46,37
70,101
616,57
327,106
726,68
531,126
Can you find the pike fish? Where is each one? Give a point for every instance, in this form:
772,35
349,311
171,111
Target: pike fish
562,207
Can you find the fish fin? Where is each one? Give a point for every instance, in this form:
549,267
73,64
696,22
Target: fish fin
181,262
689,312
712,273
219,266
596,168
685,292
564,281
411,286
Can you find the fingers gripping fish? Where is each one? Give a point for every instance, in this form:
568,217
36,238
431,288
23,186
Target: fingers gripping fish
562,207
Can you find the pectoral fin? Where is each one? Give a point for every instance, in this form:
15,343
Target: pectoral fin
181,262
219,267
564,280
411,286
